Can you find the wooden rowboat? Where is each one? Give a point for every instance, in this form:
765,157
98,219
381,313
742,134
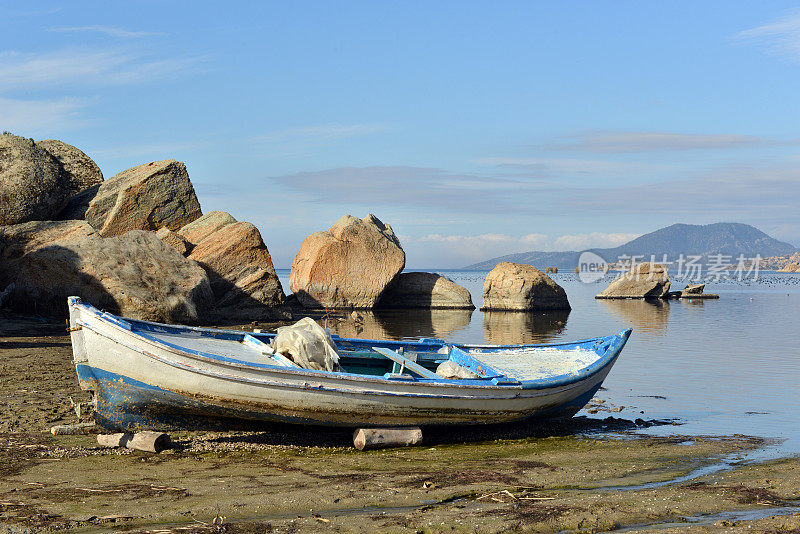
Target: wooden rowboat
155,376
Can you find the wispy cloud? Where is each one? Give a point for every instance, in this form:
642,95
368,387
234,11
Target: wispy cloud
410,186
29,71
557,166
780,37
299,141
34,117
473,248
111,31
626,142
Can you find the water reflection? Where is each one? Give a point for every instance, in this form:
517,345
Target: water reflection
650,316
514,328
398,324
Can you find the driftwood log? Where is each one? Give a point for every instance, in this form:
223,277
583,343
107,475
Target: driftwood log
76,429
142,441
376,438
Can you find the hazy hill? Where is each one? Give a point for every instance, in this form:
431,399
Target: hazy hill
729,239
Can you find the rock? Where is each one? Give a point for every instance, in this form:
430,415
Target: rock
693,289
349,266
81,171
376,438
78,204
514,286
425,290
33,185
174,240
793,267
242,276
76,429
644,280
146,197
135,274
204,226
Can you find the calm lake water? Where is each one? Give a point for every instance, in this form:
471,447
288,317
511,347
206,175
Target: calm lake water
716,366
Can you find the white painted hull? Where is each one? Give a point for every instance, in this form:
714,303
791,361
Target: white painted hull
141,383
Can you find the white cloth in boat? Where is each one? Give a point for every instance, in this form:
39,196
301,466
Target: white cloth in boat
308,345
450,369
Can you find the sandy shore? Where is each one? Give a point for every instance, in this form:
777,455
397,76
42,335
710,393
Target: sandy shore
590,475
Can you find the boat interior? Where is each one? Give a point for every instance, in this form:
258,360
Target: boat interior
395,360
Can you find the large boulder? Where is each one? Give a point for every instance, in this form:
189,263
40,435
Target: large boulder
643,280
204,226
425,290
174,240
242,276
33,185
134,274
349,266
146,197
518,287
81,171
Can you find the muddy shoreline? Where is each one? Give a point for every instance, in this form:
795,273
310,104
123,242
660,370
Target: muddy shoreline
591,474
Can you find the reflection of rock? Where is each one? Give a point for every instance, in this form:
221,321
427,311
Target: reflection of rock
644,280
514,328
425,290
397,324
642,315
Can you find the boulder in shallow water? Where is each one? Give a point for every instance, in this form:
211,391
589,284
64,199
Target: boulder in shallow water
425,290
146,197
134,274
80,169
643,280
349,266
519,287
33,185
242,276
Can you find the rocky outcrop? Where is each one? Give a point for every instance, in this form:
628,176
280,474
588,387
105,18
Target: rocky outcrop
174,240
791,265
243,278
81,171
349,266
134,274
146,197
515,286
643,280
691,291
33,185
204,226
425,290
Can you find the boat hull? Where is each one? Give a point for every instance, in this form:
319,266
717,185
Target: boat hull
141,384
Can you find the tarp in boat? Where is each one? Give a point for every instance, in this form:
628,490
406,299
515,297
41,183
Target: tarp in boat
450,369
307,344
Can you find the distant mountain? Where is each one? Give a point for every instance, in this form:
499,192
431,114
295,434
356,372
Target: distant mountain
730,239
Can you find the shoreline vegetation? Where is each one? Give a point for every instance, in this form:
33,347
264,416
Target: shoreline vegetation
589,474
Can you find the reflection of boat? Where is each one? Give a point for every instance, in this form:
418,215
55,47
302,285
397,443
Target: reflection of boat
513,327
650,315
156,376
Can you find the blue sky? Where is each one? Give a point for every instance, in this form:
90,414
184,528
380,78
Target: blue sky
474,129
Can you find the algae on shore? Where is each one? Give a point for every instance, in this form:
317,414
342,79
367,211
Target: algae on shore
569,477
